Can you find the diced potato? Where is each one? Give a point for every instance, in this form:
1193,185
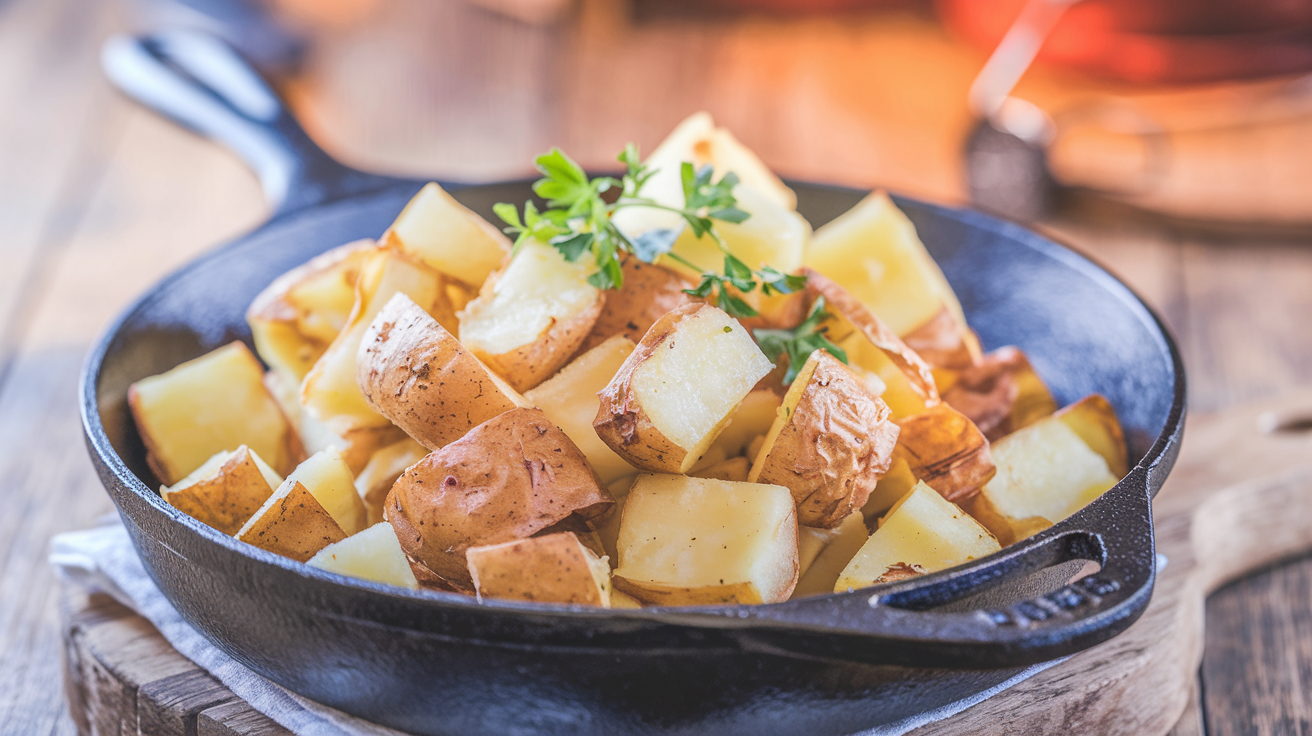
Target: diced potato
291,523
872,251
893,487
356,445
945,450
326,477
569,399
1001,394
372,554
1045,470
649,293
698,141
923,533
531,316
296,317
205,406
415,373
1094,420
945,343
735,468
678,389
225,491
447,236
554,568
833,550
772,236
692,541
830,442
330,393
753,417
376,479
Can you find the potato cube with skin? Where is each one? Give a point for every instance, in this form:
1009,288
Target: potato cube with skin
531,316
509,478
356,446
830,442
944,449
205,406
329,392
1046,472
735,468
679,388
554,568
694,541
291,523
416,374
297,316
873,252
1094,420
225,491
648,293
835,549
753,417
923,533
569,399
327,478
1000,394
448,237
375,481
371,554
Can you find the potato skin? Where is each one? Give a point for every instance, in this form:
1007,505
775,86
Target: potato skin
945,343
834,448
994,393
227,500
295,526
838,300
415,373
509,478
649,293
551,568
946,451
621,421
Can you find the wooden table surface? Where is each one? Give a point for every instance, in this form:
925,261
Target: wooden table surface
99,198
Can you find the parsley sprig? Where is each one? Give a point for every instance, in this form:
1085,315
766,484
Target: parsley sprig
577,221
799,342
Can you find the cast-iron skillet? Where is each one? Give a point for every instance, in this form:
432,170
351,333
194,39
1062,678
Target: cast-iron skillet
433,662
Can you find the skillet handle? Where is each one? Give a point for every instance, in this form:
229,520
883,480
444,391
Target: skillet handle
204,85
896,625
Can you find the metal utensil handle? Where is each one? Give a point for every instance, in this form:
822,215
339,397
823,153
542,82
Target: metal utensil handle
895,624
203,84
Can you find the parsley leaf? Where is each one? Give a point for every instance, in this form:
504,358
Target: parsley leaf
799,342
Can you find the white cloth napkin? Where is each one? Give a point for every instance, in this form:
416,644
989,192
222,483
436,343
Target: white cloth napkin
103,559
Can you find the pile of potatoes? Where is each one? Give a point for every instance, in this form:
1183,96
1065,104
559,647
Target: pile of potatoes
431,412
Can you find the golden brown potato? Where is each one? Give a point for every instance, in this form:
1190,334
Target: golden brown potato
509,478
329,392
830,443
945,343
555,568
226,491
944,449
569,399
1094,420
205,406
835,549
448,237
735,469
679,388
1000,394
356,446
532,315
873,252
291,523
296,317
327,478
694,541
1046,472
923,533
649,293
374,482
415,373
371,554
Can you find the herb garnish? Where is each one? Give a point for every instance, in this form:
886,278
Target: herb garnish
799,342
578,221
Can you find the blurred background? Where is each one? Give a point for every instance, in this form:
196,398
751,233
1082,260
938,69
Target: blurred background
1169,139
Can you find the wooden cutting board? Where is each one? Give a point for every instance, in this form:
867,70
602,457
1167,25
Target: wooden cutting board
1239,499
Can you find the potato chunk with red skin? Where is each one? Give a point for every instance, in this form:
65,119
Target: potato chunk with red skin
649,293
509,478
830,443
552,568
